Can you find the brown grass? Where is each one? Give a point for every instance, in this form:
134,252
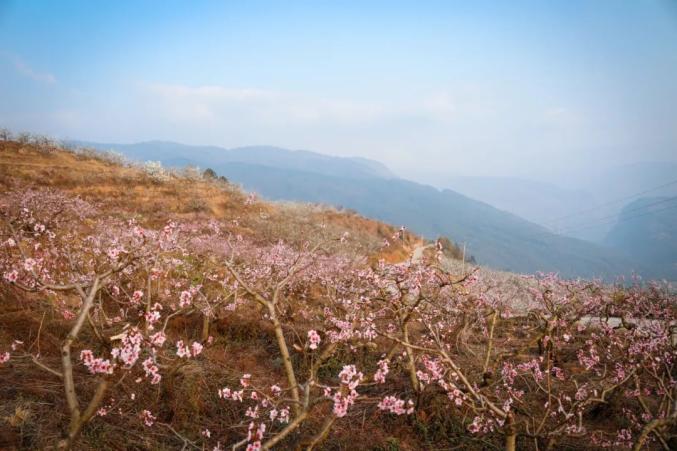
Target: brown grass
32,406
128,189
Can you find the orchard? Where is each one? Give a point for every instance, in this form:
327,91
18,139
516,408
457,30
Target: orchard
454,358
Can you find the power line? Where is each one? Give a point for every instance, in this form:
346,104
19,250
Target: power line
615,201
620,220
625,211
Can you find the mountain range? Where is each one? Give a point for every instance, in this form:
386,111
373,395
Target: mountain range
494,237
646,231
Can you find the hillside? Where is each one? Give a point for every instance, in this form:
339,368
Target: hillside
178,155
177,311
494,237
646,232
101,178
612,188
536,201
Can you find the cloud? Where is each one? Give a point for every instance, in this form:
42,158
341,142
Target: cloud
24,69
215,103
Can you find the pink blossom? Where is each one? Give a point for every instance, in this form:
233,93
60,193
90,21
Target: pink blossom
382,372
11,276
252,412
67,314
284,415
29,264
224,393
182,350
130,350
95,365
152,317
147,417
158,339
196,348
238,395
185,298
151,370
136,296
314,339
244,380
397,406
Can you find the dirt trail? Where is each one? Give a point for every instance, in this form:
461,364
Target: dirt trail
417,255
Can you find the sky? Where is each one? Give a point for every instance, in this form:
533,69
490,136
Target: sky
465,88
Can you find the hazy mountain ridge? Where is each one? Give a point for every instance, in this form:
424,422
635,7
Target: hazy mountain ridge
577,204
496,238
178,155
646,232
539,202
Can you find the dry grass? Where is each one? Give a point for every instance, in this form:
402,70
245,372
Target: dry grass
32,406
123,189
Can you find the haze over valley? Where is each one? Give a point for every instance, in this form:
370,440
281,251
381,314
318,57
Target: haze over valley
338,226
490,227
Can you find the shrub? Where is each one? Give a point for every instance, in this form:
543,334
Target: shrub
155,171
209,174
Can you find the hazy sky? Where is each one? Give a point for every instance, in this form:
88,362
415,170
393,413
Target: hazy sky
483,88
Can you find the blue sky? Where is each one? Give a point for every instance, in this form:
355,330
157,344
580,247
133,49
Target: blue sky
473,88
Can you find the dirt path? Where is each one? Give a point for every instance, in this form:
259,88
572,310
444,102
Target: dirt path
417,255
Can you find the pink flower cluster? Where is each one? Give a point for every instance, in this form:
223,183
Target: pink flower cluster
153,315
397,406
130,350
313,339
382,372
346,395
136,297
151,370
227,393
184,351
96,365
11,276
158,339
147,417
185,298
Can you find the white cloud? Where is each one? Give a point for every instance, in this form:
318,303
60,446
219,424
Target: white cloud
215,103
24,69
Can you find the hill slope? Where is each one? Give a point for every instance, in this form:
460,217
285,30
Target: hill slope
179,155
539,202
494,237
646,231
180,310
99,178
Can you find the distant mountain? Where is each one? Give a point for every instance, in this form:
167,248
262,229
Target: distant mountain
577,204
178,155
646,231
539,202
496,238
624,180
612,188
